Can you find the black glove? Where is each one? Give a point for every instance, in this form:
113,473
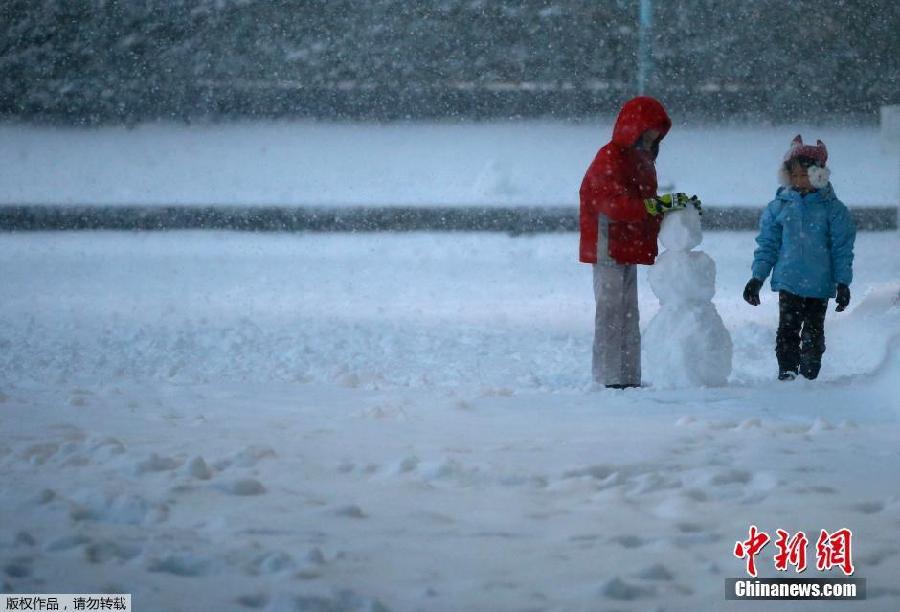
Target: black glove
751,291
843,297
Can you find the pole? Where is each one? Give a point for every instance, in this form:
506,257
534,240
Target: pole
644,59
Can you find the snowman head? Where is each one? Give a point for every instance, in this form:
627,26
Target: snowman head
681,230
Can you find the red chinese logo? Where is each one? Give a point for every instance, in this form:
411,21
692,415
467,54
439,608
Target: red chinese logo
832,550
751,547
790,551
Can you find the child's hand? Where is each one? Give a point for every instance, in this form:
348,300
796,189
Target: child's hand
751,291
843,297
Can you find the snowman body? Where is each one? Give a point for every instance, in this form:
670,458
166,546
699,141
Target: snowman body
686,343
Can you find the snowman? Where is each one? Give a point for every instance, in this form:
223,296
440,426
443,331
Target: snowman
686,343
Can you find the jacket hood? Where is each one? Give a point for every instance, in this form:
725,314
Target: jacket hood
636,117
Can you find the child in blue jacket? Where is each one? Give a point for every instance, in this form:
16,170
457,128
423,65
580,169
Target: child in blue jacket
806,234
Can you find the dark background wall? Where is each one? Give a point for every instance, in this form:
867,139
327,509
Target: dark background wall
106,61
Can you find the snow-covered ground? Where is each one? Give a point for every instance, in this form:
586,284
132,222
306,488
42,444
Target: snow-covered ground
226,421
485,164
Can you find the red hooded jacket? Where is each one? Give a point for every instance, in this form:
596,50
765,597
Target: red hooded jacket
616,184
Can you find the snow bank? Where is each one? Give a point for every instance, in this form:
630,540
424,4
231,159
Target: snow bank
485,164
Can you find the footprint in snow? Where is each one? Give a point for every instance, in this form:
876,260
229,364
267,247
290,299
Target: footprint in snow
156,463
694,494
405,465
279,562
19,567
253,601
184,565
817,490
66,543
618,589
720,425
657,571
246,458
197,468
39,454
584,537
731,476
24,539
345,600
385,411
308,573
350,511
73,450
105,447
108,550
597,472
628,541
315,556
271,563
869,507
252,455
79,397
120,509
242,487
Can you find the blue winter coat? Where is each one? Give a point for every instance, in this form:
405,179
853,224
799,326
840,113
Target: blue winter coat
808,240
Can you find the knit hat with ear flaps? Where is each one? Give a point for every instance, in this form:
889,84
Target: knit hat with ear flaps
818,174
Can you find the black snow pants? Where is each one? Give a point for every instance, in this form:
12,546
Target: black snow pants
800,340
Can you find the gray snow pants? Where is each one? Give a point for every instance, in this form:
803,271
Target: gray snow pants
617,332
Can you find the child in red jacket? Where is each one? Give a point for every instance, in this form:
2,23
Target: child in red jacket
620,217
